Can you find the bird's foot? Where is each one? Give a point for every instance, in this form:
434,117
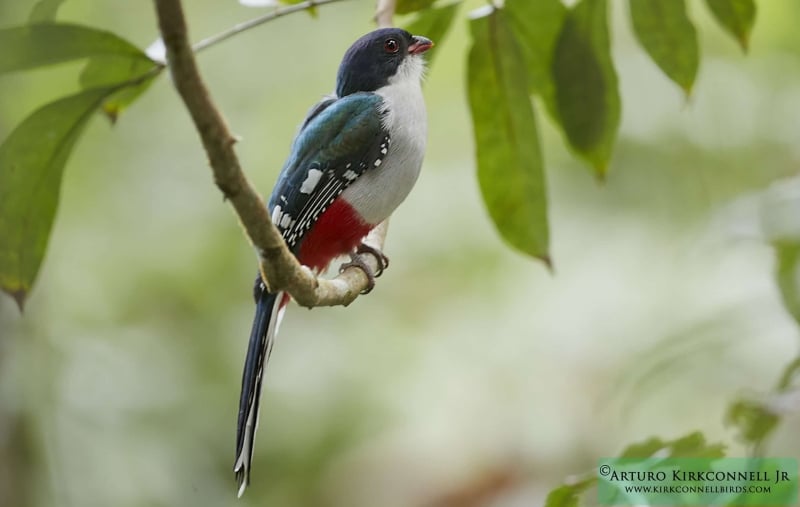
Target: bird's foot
357,261
383,261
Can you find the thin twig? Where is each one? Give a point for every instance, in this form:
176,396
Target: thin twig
384,13
246,25
279,268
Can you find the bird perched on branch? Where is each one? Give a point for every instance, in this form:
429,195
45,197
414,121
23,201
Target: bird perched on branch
355,159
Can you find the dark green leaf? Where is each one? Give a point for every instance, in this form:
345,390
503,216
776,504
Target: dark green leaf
114,70
409,6
435,24
537,25
669,37
32,161
586,84
735,16
44,11
510,169
32,46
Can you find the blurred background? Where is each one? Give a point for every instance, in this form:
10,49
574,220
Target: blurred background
471,376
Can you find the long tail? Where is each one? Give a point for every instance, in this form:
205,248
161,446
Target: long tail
262,336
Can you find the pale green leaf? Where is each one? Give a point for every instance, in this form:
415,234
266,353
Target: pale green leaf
669,37
753,416
510,168
568,495
787,275
44,11
693,445
587,97
32,161
563,496
115,70
754,422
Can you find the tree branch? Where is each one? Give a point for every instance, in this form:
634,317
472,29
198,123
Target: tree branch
279,268
384,13
251,23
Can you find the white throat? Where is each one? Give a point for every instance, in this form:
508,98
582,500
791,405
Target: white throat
403,105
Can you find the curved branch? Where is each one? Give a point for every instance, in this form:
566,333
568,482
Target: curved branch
279,268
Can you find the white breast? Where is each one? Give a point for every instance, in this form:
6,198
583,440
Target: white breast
378,192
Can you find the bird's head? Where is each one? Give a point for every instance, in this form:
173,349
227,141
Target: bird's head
379,58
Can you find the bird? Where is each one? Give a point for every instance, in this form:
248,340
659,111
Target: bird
355,158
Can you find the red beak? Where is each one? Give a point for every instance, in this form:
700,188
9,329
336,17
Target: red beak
420,45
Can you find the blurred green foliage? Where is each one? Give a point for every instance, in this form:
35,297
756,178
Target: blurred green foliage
468,363
693,445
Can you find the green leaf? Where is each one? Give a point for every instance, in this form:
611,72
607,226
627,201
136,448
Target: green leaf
787,274
435,24
752,416
735,16
32,161
537,26
409,6
568,495
669,37
644,449
44,11
587,98
789,375
754,422
692,445
28,47
510,169
113,70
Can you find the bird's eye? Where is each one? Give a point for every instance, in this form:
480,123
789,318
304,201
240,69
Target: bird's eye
391,46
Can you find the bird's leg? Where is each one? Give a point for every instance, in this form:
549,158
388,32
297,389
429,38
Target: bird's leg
357,261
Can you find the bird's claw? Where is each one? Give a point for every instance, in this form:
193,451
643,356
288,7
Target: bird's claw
383,261
357,261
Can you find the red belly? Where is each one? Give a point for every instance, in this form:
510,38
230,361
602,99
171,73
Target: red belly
337,232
